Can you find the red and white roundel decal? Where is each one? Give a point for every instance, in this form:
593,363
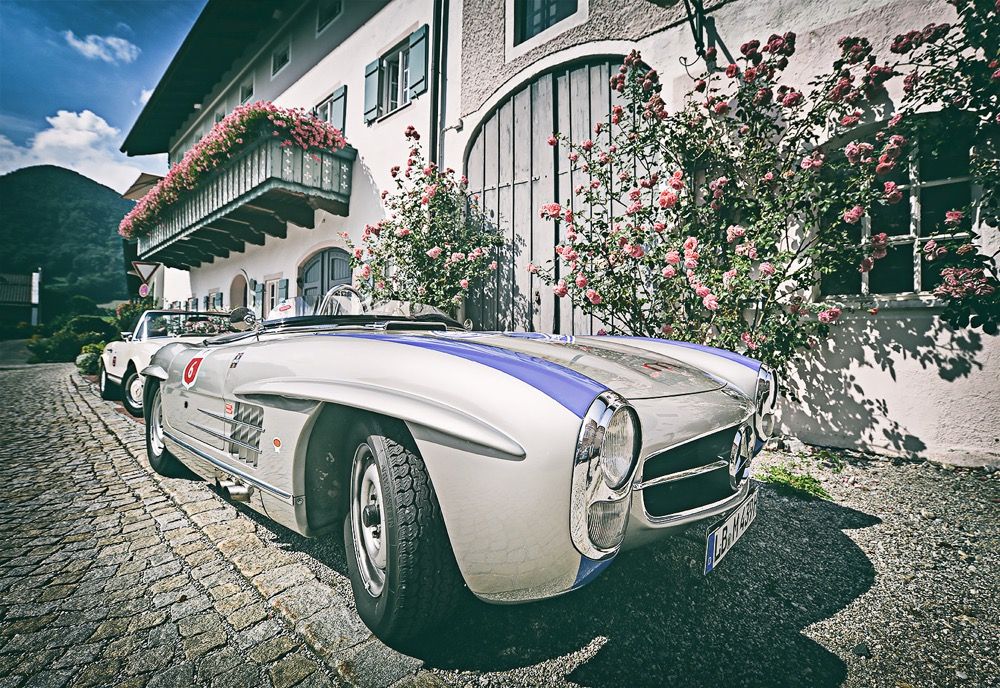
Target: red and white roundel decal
191,371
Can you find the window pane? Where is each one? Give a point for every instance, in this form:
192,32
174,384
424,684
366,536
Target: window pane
391,97
534,16
935,201
841,282
279,59
944,156
327,12
404,81
894,220
894,273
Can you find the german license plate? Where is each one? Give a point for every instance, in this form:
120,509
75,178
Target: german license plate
722,538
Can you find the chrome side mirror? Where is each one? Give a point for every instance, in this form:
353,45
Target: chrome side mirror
126,336
242,319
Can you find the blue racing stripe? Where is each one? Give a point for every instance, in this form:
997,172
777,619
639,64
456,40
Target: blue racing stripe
573,390
751,363
589,570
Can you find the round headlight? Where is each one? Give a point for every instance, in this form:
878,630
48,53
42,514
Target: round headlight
618,449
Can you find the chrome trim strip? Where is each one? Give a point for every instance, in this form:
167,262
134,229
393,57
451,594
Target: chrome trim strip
223,437
219,416
230,469
700,512
681,475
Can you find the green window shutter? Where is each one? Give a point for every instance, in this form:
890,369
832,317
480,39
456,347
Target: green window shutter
338,108
282,290
418,61
204,301
373,79
258,295
218,300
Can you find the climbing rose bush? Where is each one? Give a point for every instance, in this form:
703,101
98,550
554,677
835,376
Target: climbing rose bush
716,223
955,70
433,246
241,128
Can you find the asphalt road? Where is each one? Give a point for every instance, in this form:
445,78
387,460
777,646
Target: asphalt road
893,582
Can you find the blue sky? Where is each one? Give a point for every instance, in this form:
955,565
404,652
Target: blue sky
74,76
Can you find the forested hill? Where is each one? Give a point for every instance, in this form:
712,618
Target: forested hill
68,225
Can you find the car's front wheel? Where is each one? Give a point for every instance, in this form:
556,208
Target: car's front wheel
104,383
160,458
399,557
132,392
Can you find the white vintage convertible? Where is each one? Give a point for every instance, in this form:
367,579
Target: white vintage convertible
122,362
517,464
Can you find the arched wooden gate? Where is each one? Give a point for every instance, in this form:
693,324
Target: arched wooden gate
515,171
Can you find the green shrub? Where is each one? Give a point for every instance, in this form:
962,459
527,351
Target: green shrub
68,342
89,359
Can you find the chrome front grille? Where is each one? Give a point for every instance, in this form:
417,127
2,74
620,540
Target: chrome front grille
688,476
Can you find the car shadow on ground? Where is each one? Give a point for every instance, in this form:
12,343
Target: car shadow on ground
653,619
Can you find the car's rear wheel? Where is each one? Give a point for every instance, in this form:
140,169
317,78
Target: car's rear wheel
399,557
107,387
132,385
160,458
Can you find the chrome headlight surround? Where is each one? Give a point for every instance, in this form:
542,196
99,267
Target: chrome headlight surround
766,401
600,500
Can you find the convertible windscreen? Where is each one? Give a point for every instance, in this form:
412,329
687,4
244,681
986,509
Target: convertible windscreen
185,324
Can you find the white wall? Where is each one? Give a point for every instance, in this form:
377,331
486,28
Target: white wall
380,146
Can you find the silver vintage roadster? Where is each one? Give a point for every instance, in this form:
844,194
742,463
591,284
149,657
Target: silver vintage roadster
515,464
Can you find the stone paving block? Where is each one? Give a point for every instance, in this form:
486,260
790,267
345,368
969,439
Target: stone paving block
99,673
273,649
290,670
304,600
247,616
273,581
372,663
333,630
199,645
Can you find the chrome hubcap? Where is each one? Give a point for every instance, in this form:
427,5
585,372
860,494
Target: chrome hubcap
368,520
135,391
156,425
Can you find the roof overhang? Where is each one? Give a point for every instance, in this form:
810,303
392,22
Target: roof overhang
223,33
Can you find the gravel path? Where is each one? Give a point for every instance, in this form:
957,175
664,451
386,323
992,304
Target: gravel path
894,582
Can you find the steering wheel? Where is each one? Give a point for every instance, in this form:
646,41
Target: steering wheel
336,291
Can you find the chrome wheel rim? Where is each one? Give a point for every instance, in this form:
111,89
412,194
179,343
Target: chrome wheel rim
156,425
368,520
135,391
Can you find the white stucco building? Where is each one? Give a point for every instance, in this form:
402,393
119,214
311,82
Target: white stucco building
485,82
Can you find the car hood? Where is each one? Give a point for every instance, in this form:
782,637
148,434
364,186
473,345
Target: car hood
632,372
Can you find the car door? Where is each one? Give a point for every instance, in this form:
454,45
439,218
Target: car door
193,400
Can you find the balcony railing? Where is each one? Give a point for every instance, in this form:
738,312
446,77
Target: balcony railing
248,198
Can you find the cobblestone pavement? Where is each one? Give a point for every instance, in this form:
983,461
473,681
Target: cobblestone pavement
111,575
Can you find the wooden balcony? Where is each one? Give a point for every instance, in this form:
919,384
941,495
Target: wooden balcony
247,199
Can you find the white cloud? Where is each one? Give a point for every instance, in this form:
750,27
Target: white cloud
80,141
144,95
112,49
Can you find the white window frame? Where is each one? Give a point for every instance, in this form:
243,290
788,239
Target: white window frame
253,90
512,51
270,295
913,188
321,29
283,46
399,56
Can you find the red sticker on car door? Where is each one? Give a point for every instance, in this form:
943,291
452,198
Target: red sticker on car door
191,371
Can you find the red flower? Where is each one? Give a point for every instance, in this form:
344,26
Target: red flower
552,140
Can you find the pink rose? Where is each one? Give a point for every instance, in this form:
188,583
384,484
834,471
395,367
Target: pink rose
702,290
586,144
581,280
636,251
891,193
853,215
402,232
690,263
669,272
673,257
593,297
366,271
747,339
711,302
690,244
668,199
464,283
953,218
866,264
766,269
552,140
493,265
667,329
434,252
561,289
532,268
551,211
734,232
